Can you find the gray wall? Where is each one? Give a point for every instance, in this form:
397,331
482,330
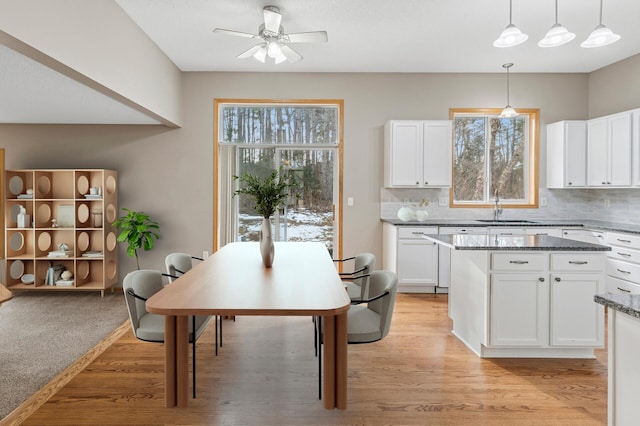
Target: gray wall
168,173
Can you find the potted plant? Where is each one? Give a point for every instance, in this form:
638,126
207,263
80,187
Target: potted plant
138,231
268,194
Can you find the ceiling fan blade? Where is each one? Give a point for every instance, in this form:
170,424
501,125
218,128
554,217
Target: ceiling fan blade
250,52
272,19
235,33
310,37
292,55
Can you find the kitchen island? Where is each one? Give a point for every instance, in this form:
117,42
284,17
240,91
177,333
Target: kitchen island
624,345
525,295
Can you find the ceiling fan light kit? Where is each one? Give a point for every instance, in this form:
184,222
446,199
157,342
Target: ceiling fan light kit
557,35
274,42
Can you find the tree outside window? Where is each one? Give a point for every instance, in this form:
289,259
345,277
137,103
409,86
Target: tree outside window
493,154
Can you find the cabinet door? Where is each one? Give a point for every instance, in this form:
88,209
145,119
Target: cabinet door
519,310
619,127
405,151
567,154
437,153
417,262
597,153
575,319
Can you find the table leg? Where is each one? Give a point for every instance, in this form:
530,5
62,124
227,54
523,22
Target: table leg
341,361
182,361
169,361
329,340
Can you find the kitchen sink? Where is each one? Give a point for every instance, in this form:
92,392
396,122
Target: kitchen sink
505,221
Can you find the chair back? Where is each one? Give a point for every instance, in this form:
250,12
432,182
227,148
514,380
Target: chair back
379,283
368,262
144,283
177,264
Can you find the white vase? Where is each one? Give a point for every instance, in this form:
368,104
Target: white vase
266,243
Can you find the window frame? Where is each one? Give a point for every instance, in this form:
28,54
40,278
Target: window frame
533,155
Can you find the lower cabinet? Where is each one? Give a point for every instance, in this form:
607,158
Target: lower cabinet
546,300
413,258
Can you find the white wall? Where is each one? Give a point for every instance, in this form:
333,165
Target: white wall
615,88
97,40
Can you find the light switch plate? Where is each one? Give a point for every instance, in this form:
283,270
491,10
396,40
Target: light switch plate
443,202
543,202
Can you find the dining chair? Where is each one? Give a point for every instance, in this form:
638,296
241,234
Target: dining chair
368,320
178,264
357,281
138,287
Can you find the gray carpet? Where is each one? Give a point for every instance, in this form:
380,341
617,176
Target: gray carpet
43,333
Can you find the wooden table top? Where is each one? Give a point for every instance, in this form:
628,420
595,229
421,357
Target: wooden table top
233,281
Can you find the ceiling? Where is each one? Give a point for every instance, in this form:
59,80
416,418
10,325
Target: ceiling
389,35
417,36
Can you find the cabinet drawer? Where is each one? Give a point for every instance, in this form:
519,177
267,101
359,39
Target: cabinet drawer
576,262
623,240
518,262
415,232
618,286
623,270
623,253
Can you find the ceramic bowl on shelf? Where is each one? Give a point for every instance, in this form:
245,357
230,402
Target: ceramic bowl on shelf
27,278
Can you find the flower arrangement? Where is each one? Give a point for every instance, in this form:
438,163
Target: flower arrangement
268,193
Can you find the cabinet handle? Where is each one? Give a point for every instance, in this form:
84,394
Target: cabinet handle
426,182
570,183
624,241
623,272
558,279
578,262
417,233
417,183
624,290
623,254
506,233
519,262
604,183
541,279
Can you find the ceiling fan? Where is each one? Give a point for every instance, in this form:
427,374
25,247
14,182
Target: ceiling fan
274,42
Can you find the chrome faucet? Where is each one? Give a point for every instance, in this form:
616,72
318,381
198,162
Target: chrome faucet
497,208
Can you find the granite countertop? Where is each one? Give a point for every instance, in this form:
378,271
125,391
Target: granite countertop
586,223
625,303
512,243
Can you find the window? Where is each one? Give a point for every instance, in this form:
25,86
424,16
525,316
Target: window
493,154
302,137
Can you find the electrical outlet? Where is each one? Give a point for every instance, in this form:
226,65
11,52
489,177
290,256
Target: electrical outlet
350,201
443,202
543,202
607,203
205,254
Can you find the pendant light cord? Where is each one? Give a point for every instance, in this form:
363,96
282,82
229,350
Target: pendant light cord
600,12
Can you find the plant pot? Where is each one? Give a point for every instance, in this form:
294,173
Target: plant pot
266,243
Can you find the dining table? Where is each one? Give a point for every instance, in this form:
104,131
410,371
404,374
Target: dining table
233,281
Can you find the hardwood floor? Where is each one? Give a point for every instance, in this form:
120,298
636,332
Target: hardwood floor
266,374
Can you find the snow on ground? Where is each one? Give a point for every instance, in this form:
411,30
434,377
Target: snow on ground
302,225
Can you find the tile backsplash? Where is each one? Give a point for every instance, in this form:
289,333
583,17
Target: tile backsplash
561,204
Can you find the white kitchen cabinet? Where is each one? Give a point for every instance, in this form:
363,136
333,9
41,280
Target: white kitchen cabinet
623,263
575,319
609,151
519,309
413,258
444,253
417,153
584,235
567,154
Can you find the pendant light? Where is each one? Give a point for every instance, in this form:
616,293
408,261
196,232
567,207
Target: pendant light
557,35
601,35
508,112
511,35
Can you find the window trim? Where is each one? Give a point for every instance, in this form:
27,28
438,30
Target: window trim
533,152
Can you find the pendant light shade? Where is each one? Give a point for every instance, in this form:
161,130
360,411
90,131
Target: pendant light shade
557,35
511,35
508,111
601,35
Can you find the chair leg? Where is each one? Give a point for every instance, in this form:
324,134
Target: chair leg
319,342
193,322
315,335
216,324
220,331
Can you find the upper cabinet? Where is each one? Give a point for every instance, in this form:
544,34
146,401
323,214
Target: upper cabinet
567,154
597,153
609,151
417,153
